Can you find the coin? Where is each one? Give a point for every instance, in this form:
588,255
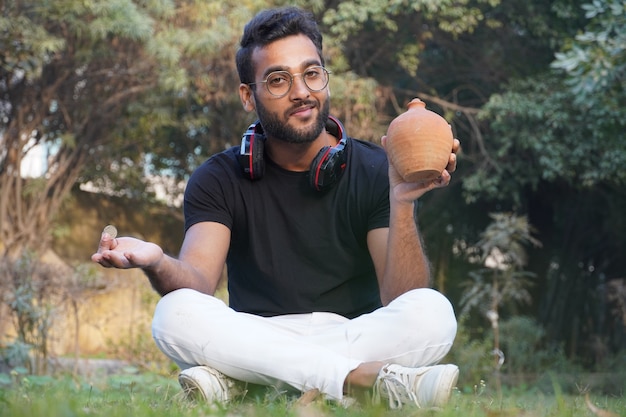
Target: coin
111,231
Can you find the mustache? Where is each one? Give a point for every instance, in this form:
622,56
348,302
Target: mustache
302,104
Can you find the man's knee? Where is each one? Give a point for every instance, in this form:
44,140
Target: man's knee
181,310
428,311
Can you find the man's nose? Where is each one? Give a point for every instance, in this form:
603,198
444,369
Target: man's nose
299,87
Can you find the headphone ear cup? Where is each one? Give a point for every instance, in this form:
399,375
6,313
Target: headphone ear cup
316,172
251,153
257,161
330,162
327,167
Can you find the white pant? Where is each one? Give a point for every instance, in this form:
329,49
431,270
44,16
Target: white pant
305,351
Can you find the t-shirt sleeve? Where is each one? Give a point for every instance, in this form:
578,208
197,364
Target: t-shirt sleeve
372,184
208,193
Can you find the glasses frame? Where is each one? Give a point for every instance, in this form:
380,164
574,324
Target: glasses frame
292,77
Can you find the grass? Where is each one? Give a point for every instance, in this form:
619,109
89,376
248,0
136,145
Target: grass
148,394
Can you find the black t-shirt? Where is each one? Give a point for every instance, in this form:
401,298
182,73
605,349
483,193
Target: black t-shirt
294,249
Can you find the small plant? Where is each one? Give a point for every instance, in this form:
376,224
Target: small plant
27,289
502,251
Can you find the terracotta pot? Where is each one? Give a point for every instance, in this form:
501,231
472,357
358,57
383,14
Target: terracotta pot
419,143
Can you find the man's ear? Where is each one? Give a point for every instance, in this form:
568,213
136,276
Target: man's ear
247,97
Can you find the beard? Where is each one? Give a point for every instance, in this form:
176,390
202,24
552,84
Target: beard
275,128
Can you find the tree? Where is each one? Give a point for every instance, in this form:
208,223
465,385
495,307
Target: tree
99,85
554,151
582,116
595,60
62,88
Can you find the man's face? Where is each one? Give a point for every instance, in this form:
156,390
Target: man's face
300,115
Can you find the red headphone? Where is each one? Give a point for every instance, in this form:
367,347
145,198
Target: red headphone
325,170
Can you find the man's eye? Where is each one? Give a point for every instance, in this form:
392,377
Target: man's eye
278,79
313,73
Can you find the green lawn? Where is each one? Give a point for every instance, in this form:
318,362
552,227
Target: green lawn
146,394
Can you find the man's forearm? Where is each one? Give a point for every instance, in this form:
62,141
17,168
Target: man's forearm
171,274
406,267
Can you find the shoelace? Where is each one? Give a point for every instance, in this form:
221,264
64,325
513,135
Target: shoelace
395,390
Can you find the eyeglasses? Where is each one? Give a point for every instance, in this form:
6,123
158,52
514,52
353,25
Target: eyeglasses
278,83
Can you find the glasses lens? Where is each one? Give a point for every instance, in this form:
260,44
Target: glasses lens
278,83
315,78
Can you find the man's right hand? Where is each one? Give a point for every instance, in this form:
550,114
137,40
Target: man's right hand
126,252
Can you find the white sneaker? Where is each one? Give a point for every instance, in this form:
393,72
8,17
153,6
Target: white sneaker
429,386
207,384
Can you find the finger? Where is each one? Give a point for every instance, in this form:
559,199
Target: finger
107,238
112,259
106,242
451,167
443,180
98,258
456,146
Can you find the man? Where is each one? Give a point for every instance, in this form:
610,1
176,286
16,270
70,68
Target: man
327,276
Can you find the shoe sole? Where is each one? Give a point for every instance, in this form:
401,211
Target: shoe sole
190,388
447,381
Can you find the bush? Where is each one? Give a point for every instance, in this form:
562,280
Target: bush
28,289
472,356
525,349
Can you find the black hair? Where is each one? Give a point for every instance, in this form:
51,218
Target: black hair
271,25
